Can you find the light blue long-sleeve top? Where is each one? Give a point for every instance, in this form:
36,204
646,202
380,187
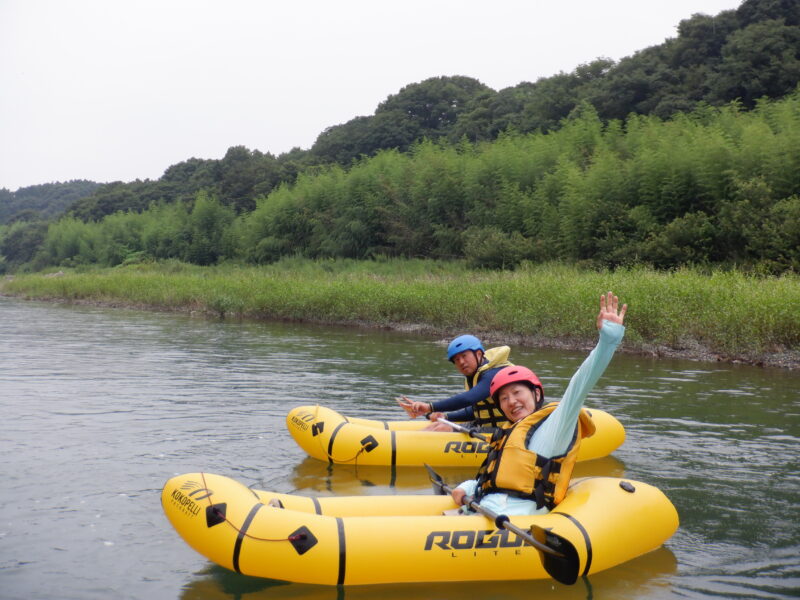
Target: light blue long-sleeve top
552,438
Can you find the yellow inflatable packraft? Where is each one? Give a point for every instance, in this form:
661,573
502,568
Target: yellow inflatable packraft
384,539
330,436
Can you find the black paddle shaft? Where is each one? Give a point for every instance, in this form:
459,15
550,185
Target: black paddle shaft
561,564
472,432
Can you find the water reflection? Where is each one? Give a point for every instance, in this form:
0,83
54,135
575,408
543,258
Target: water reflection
315,477
646,576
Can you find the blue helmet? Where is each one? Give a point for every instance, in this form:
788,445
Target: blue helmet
461,343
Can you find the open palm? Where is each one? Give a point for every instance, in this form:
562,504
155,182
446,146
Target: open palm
610,310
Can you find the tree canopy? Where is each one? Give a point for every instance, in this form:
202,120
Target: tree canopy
44,201
441,166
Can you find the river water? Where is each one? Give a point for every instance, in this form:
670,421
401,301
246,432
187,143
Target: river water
101,406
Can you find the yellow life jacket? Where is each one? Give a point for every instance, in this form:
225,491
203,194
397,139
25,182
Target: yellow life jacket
486,411
512,469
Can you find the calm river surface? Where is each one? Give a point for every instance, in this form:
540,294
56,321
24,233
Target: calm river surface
101,406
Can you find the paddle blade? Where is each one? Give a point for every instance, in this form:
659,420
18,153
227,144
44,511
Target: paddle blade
563,569
436,481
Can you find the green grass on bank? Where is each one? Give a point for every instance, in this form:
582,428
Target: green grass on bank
726,312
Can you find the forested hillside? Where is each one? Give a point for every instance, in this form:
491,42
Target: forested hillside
714,186
668,157
42,201
739,55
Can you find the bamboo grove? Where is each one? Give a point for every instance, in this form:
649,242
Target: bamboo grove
717,186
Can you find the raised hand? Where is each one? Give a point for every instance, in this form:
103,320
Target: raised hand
610,310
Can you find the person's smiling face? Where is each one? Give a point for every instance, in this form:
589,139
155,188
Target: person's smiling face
517,401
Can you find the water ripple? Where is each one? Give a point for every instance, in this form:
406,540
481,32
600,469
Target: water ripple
102,406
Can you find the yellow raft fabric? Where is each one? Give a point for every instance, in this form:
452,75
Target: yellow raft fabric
384,539
330,436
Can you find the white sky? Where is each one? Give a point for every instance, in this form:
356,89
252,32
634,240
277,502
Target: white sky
112,90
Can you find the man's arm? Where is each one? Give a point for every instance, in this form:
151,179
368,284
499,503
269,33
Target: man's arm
467,398
462,402
465,414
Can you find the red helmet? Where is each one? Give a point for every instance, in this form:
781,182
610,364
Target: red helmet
514,374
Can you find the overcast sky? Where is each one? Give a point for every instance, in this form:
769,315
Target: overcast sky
112,90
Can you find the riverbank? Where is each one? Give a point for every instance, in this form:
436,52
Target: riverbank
719,316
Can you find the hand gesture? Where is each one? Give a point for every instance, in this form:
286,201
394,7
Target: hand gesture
413,409
609,310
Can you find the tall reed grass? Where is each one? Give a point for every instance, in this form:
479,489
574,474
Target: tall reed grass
728,313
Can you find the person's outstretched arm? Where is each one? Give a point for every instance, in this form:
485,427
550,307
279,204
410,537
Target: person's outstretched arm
555,434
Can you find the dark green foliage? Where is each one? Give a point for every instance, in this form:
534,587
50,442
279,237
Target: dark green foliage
20,241
434,104
737,55
42,201
27,215
701,188
194,172
429,109
343,143
527,107
687,240
715,186
489,113
111,198
761,60
207,225
165,231
753,11
243,175
554,98
492,248
70,242
701,38
674,155
238,178
201,235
